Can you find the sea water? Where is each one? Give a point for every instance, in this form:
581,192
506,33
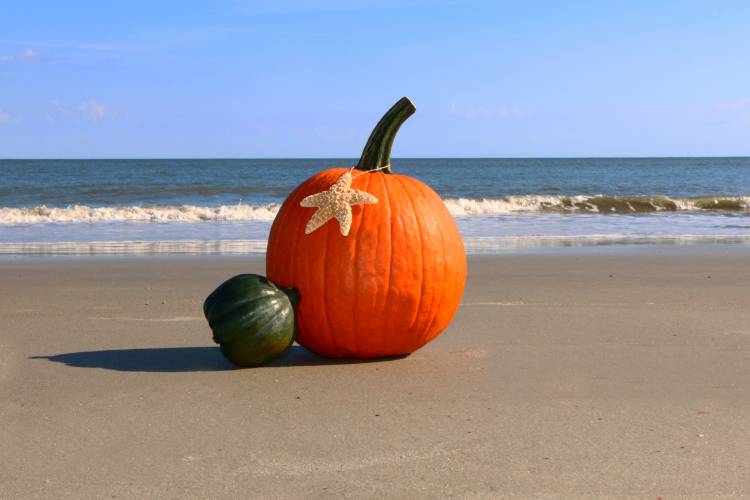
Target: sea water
227,206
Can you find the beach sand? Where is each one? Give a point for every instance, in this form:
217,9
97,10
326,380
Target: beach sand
568,375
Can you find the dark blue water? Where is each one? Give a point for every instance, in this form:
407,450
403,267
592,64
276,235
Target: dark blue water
136,206
59,183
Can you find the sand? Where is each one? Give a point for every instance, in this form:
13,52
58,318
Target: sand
571,375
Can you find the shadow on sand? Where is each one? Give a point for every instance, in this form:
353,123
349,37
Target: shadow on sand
184,359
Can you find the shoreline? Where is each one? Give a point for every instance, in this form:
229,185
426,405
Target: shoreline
474,247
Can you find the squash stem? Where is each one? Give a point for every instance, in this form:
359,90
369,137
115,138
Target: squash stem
377,152
293,294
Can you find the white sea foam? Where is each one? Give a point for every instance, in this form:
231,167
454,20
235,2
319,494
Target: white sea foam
467,207
174,247
474,245
157,213
601,204
458,207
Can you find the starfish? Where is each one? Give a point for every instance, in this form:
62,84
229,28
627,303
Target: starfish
336,203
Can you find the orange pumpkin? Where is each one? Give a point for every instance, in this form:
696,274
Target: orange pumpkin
394,282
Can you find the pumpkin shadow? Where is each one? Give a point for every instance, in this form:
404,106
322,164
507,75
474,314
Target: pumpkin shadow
184,359
299,356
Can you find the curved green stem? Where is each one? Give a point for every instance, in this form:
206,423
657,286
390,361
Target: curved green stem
377,152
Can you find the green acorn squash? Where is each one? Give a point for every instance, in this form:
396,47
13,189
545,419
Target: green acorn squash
251,318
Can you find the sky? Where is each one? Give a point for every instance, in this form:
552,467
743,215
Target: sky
285,79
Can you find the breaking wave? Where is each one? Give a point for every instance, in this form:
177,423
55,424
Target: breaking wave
156,213
458,207
600,204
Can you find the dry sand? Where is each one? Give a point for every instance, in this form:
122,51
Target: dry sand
563,376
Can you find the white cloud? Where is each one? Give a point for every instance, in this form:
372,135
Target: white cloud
93,109
8,119
61,112
26,55
63,44
58,113
59,107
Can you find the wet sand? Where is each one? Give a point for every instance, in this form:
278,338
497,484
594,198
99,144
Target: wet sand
569,375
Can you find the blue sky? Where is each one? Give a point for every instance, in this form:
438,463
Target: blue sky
88,79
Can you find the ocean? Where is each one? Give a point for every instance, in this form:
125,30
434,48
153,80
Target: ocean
92,207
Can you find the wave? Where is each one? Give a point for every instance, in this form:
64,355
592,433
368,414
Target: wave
458,207
129,247
156,213
599,204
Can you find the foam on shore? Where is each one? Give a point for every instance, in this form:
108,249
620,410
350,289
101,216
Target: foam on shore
474,245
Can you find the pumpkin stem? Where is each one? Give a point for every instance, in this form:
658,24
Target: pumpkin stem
377,152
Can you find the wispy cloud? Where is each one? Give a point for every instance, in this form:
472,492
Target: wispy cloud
93,110
87,110
8,119
27,55
485,111
71,44
58,112
140,41
59,107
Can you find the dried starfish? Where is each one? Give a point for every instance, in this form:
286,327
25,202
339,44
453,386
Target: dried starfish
336,202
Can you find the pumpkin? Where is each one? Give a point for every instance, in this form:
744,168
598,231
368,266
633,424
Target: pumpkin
251,318
394,281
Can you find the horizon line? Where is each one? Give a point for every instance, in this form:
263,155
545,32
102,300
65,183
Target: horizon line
236,158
